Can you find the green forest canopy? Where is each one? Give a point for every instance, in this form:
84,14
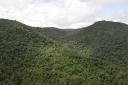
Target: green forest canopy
93,55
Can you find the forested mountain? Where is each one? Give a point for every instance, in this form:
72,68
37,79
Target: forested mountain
54,33
94,55
104,39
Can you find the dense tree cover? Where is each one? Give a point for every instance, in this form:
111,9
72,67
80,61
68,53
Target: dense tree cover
54,33
96,55
104,40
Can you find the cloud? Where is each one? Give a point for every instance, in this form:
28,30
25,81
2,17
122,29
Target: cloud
121,16
73,12
109,1
57,13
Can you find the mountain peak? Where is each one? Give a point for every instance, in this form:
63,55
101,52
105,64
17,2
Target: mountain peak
108,22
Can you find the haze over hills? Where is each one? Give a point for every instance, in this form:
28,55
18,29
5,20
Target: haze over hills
93,55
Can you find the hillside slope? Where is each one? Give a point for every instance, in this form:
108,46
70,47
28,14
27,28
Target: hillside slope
105,40
30,56
54,33
27,56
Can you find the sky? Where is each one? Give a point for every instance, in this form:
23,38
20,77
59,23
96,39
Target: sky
64,13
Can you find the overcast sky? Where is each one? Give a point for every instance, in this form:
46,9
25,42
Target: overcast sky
64,13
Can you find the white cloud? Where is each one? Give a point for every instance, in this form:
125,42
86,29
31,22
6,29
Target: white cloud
109,1
58,13
121,16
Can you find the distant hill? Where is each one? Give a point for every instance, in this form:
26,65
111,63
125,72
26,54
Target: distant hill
69,30
93,55
54,33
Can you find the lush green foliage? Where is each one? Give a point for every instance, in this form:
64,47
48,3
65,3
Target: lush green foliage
54,33
96,55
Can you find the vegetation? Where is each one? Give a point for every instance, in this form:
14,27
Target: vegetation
54,33
95,55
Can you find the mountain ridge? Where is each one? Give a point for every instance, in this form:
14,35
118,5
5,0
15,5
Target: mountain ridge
93,55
